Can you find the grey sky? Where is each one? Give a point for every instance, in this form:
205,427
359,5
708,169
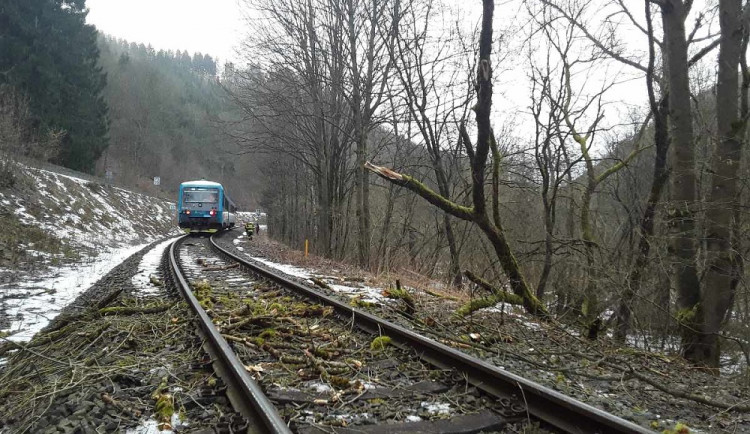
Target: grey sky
213,27
217,28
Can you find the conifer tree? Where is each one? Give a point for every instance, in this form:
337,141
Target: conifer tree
49,53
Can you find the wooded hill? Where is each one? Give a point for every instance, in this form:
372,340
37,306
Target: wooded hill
167,112
91,103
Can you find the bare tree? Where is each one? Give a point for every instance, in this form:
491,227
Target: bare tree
478,155
571,107
18,135
294,103
427,77
660,177
370,34
672,107
550,153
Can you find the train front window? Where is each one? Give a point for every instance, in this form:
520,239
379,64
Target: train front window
200,196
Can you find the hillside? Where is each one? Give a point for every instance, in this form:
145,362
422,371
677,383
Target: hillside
168,118
61,233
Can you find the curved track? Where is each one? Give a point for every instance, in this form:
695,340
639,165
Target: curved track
543,404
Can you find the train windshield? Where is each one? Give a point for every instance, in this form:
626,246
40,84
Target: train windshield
203,196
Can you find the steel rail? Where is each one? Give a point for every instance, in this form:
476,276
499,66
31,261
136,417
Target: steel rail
245,394
542,403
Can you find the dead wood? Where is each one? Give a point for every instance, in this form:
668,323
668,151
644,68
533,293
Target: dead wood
128,310
320,282
223,267
497,292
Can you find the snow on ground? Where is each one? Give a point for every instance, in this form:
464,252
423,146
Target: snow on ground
436,408
285,268
367,293
149,267
36,303
151,426
69,207
101,224
515,312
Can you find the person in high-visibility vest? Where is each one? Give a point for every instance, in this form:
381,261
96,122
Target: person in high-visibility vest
250,229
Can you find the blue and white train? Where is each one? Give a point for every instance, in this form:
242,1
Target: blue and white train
203,206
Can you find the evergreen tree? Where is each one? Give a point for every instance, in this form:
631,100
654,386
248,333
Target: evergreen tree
49,53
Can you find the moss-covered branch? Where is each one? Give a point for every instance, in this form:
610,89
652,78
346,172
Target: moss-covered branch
481,303
459,211
620,164
510,298
478,154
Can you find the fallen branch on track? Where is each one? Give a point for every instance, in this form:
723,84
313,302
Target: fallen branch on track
127,310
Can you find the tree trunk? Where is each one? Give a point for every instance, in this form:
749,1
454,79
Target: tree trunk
590,305
547,267
720,280
386,229
444,190
681,210
510,267
360,137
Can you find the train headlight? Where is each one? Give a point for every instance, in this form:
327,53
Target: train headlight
212,212
187,211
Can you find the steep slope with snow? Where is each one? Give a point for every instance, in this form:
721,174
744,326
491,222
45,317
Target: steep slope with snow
60,234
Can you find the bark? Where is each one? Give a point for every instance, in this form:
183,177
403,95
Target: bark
548,250
720,280
681,212
386,231
455,266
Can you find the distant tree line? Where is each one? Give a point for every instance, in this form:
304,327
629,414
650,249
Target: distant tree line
176,60
167,118
96,104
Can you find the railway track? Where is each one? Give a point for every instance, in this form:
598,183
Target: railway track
286,344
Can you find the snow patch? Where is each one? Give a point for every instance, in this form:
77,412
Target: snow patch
42,300
436,408
149,266
285,268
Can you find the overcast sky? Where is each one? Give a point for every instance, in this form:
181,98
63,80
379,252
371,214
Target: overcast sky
213,27
217,28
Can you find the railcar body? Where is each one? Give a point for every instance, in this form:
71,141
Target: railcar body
204,206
